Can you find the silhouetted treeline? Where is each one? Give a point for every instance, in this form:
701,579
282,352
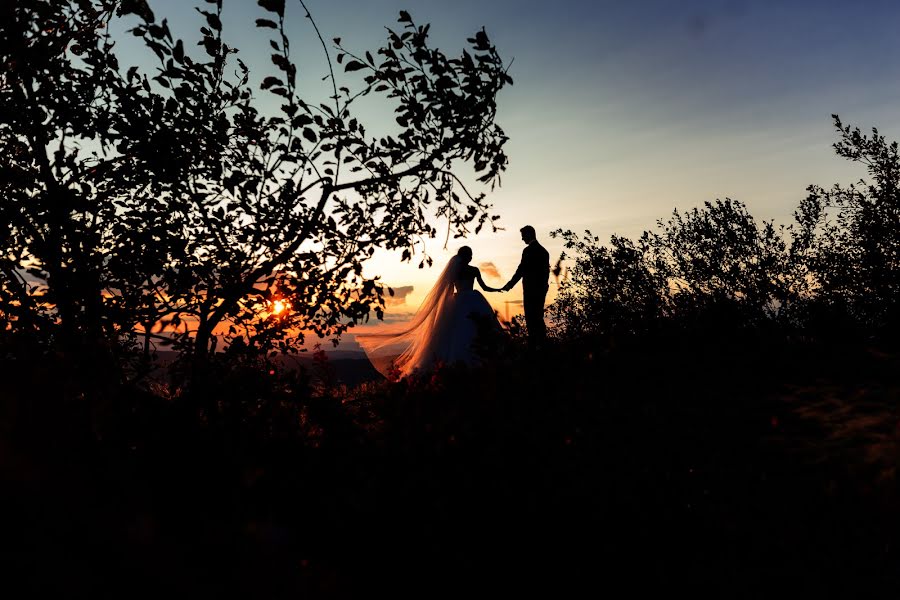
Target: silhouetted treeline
833,272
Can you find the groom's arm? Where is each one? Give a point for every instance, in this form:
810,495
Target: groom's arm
515,279
518,275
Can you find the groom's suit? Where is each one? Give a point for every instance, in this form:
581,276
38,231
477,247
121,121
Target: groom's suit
534,271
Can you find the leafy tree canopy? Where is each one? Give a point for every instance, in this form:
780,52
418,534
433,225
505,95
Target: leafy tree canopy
138,202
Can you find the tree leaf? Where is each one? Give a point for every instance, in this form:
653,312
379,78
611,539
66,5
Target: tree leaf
178,51
354,65
214,22
275,6
269,82
139,8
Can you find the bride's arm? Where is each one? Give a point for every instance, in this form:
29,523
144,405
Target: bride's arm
484,286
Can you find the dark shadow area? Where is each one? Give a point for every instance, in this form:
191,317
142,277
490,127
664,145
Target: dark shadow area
739,468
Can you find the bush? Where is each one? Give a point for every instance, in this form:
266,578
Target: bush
713,270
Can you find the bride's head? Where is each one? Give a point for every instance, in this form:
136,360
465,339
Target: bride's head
464,256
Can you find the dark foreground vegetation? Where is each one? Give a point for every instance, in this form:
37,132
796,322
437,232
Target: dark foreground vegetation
735,465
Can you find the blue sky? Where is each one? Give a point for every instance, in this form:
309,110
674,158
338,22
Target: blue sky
623,111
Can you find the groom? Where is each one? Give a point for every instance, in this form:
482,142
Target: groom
534,271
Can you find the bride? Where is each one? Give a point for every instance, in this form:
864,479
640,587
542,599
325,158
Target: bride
444,328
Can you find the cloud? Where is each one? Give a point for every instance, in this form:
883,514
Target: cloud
490,270
375,324
399,297
391,317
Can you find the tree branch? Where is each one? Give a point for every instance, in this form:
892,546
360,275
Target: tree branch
390,176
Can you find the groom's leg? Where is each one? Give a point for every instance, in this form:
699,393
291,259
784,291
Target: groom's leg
534,316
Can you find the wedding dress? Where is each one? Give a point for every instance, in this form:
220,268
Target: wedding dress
443,330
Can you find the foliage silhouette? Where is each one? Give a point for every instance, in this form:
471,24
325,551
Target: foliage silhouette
849,240
166,208
609,291
713,270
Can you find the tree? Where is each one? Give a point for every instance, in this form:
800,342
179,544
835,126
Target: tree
167,206
849,239
616,290
708,269
835,270
720,261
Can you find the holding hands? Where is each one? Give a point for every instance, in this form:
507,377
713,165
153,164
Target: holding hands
488,288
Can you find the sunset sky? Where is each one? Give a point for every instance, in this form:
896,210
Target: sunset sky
623,111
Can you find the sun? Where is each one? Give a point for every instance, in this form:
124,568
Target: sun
278,307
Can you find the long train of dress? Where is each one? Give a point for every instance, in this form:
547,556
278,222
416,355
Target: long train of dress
443,330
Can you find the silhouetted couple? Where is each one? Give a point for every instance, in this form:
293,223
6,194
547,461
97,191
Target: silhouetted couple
445,327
